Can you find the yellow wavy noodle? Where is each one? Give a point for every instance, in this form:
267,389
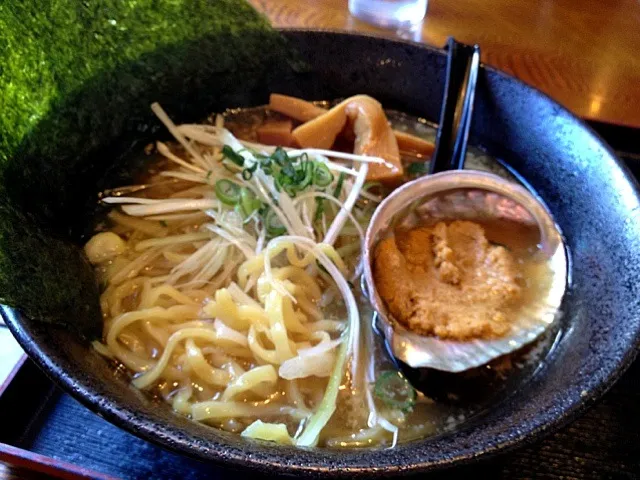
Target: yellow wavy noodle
157,331
114,296
151,296
216,410
133,268
275,312
202,368
181,400
226,310
263,375
262,354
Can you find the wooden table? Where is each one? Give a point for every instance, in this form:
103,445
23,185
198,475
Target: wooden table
583,53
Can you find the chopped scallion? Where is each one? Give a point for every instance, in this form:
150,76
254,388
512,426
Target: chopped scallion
227,192
418,168
338,189
229,153
272,224
319,209
322,177
249,201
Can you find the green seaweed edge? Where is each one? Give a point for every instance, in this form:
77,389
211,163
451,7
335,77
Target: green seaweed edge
77,78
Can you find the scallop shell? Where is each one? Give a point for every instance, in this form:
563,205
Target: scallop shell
466,195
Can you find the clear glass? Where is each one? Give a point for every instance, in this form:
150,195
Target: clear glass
389,13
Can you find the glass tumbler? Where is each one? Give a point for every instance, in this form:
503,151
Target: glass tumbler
389,13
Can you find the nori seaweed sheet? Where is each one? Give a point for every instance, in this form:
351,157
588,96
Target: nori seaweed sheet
76,81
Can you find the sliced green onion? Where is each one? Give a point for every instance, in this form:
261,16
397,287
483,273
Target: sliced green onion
369,185
227,192
248,201
322,176
338,189
307,174
273,225
395,391
418,168
319,209
238,209
229,153
290,189
247,174
280,156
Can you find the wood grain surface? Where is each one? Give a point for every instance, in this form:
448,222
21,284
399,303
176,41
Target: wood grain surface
583,53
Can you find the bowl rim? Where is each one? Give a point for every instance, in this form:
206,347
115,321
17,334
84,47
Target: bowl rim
129,421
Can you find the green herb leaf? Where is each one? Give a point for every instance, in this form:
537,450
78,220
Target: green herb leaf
395,391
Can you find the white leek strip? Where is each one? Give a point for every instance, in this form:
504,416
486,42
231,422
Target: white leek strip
288,208
336,167
323,413
136,200
165,152
216,137
164,118
172,240
170,217
266,197
171,206
389,427
341,155
306,216
247,252
315,152
189,177
262,236
345,210
333,199
232,222
195,261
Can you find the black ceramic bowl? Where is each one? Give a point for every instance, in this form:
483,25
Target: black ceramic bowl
589,192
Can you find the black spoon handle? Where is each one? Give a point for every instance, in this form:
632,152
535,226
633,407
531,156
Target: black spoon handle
463,63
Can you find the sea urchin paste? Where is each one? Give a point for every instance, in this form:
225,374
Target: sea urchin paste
448,280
